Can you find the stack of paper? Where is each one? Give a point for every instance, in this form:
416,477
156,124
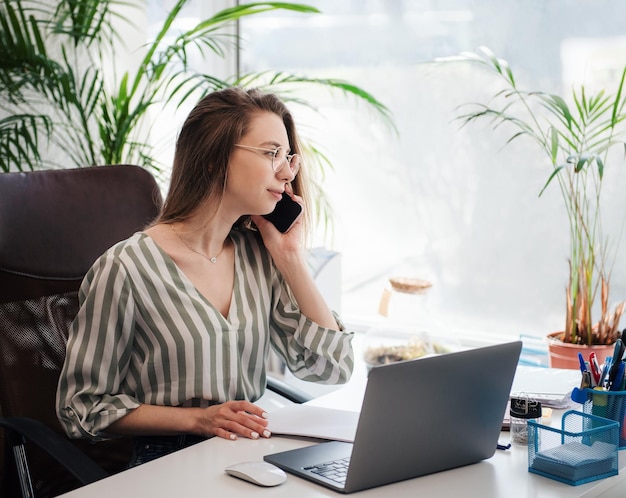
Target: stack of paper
575,461
550,386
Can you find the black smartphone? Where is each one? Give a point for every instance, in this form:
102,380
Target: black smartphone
286,213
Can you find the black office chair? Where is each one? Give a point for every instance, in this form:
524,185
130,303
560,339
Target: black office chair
53,225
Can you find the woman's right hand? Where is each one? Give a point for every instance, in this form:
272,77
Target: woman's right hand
235,418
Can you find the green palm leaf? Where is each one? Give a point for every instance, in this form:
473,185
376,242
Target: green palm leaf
95,122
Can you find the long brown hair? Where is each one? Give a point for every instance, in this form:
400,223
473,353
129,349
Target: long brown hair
206,142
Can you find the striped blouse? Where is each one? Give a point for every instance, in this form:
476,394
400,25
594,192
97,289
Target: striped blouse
145,335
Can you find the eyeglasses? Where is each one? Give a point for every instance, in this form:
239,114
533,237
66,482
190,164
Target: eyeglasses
279,157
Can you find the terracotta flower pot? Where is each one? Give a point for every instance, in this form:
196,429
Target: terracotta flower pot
565,355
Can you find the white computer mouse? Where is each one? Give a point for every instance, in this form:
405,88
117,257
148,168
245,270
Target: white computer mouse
260,473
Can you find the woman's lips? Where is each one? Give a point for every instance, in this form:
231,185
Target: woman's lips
277,194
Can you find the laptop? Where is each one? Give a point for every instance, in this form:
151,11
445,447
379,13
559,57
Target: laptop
418,417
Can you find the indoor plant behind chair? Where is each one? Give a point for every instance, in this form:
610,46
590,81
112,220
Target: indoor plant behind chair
577,138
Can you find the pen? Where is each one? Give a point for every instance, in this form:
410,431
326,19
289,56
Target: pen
581,361
618,351
617,381
605,371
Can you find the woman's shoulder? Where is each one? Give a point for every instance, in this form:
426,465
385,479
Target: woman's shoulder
119,258
137,241
127,248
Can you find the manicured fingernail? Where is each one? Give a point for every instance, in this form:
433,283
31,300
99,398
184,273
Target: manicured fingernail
233,437
254,435
265,415
266,433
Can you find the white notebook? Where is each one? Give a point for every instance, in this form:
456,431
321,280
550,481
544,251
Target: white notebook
314,421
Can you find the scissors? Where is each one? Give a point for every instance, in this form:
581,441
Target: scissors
595,368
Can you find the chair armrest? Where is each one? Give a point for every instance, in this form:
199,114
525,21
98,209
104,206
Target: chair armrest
60,449
287,391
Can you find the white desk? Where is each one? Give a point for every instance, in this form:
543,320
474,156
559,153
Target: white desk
198,471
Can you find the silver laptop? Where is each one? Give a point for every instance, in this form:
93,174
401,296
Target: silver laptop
418,417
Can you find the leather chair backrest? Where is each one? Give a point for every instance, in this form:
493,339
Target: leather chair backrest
53,226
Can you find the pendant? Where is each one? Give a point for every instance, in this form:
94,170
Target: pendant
213,259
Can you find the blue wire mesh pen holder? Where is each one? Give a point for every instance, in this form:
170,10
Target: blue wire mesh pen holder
584,449
608,404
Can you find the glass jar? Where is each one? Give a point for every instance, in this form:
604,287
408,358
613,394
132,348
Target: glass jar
523,410
406,302
387,345
408,330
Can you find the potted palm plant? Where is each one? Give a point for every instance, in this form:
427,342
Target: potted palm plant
576,137
65,103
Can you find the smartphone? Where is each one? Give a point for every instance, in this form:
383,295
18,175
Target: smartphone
286,213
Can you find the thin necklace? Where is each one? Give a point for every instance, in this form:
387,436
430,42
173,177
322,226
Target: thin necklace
212,259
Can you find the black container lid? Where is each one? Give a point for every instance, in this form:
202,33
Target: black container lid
525,408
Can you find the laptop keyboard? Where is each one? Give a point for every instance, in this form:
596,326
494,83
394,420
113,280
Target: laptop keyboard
336,471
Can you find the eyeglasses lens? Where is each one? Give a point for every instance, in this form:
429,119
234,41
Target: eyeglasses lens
282,157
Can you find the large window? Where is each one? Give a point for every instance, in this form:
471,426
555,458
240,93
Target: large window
437,202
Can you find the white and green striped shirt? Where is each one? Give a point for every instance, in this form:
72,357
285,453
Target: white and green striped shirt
145,335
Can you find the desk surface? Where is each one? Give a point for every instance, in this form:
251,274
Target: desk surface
200,469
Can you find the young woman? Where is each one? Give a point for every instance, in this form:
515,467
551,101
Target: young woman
176,323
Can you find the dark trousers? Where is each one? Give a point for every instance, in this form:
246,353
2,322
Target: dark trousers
149,448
